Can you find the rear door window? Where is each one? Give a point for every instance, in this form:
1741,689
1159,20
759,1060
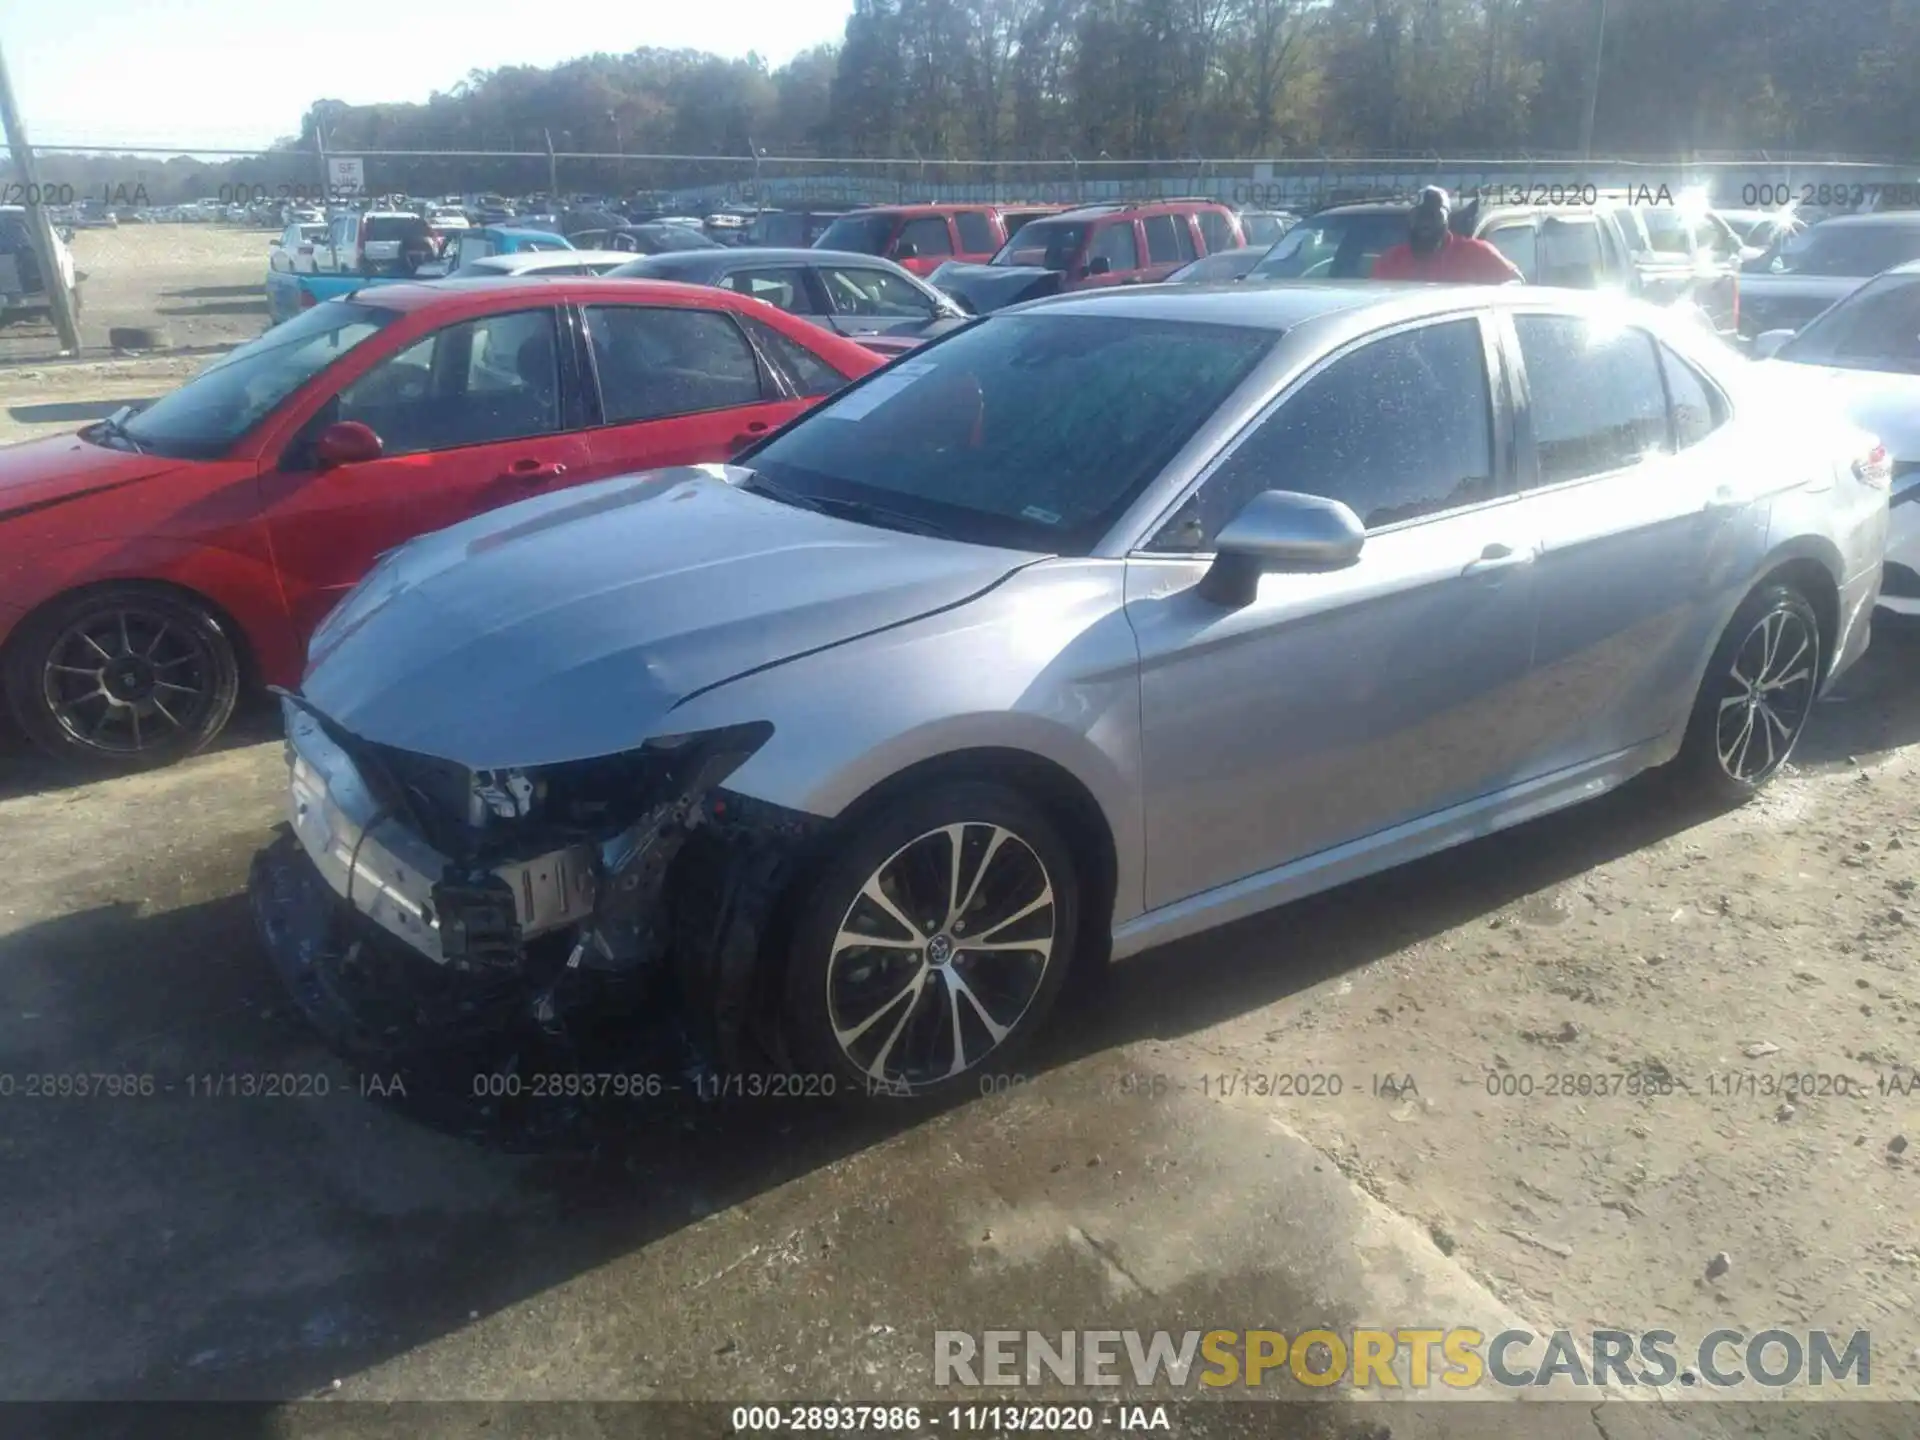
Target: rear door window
1217,231
1117,244
1596,398
657,361
976,233
928,236
1168,240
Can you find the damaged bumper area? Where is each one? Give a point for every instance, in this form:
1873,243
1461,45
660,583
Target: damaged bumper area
412,899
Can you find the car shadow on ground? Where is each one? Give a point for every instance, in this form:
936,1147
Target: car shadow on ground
217,307
1875,707
211,292
197,1242
26,771
68,411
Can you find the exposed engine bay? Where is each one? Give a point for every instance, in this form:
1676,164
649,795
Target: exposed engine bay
463,901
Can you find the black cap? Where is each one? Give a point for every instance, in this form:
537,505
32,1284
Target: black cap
1435,199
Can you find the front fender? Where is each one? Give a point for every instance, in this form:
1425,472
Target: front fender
242,584
1045,664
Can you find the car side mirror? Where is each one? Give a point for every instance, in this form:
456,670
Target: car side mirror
1100,265
1768,342
346,442
905,250
1280,530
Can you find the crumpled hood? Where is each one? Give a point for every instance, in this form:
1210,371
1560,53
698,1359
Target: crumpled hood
39,473
566,627
985,288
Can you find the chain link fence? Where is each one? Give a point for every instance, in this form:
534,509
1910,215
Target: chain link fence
155,178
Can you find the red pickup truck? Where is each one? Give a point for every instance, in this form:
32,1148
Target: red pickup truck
924,237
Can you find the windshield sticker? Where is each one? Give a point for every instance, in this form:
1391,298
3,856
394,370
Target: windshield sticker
1045,517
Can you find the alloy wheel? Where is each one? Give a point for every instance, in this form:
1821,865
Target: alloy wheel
941,953
1767,697
123,680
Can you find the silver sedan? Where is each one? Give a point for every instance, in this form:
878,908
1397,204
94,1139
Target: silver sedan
1097,624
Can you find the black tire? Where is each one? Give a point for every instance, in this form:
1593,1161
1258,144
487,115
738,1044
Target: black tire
1721,757
164,668
137,337
837,990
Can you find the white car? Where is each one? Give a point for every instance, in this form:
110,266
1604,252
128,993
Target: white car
1865,353
292,250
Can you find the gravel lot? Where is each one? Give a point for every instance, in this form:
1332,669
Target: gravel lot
183,1246
204,286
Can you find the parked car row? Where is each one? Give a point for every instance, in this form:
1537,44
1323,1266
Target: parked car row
654,643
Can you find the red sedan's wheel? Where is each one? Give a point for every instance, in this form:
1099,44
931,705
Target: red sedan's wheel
126,675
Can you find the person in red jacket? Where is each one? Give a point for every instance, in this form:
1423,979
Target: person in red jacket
1433,252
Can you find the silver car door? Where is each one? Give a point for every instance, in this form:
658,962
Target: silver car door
1646,542
1336,705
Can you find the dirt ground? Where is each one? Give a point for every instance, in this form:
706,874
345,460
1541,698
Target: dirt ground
202,286
1762,966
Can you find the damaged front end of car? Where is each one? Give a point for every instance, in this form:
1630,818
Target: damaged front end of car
415,903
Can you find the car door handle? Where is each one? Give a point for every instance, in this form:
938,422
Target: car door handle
534,472
1499,556
746,437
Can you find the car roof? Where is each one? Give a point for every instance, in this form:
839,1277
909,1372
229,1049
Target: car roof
1286,304
923,208
1273,305
1104,208
1366,207
410,295
544,259
735,255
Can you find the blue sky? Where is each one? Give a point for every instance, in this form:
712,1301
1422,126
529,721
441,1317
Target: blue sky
241,72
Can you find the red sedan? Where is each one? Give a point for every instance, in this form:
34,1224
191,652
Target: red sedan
154,561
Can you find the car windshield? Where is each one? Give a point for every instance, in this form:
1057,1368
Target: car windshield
1029,431
204,417
1875,328
862,234
1049,244
1847,250
1332,247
